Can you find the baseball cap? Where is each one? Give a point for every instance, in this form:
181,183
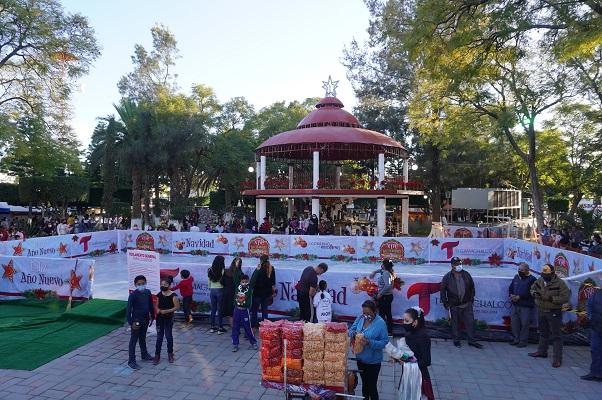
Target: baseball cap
455,260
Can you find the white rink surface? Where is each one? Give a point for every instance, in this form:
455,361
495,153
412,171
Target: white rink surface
110,271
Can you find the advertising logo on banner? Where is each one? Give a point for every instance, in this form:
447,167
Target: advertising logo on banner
258,246
336,248
199,243
471,251
464,232
144,262
42,278
94,243
253,245
404,250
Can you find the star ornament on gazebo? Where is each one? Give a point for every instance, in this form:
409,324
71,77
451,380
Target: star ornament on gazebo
330,87
9,271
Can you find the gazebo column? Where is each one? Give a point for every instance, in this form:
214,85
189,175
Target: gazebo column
337,177
315,202
381,170
381,216
257,186
290,186
405,202
262,202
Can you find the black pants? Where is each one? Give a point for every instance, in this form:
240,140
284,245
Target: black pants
186,305
384,310
550,323
369,374
466,315
138,335
164,328
305,307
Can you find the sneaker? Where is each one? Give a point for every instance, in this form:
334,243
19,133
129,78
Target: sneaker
147,357
170,358
254,346
513,343
556,364
221,331
212,330
590,377
537,354
234,349
475,344
133,365
457,343
156,360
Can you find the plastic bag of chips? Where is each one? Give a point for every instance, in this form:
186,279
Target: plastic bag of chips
270,362
269,330
335,365
292,330
294,344
335,327
313,366
272,370
271,352
294,363
272,378
295,353
312,346
335,336
358,345
313,332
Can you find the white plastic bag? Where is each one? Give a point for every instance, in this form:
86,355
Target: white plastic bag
409,385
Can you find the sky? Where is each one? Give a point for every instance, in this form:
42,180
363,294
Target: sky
263,50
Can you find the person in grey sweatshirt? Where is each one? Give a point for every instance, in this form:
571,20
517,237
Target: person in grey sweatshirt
384,296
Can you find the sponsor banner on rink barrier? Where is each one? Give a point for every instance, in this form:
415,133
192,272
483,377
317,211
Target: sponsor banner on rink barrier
310,247
470,251
199,243
159,241
41,278
254,245
405,250
464,232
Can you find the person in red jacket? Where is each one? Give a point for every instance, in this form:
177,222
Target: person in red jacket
185,287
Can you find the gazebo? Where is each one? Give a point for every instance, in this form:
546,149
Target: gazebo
327,139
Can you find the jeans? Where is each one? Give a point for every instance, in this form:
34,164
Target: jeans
138,335
549,330
216,303
384,310
520,320
306,307
186,305
241,318
465,315
164,328
369,374
596,350
259,301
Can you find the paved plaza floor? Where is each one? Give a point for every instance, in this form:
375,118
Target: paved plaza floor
205,368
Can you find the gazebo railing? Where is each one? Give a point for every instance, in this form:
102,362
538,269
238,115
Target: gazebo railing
358,182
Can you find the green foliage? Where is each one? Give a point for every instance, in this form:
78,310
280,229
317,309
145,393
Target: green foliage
9,193
558,205
56,191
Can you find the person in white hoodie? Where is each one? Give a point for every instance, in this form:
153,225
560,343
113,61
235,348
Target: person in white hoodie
323,303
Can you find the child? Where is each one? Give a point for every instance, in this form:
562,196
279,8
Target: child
168,303
185,287
242,302
323,303
140,314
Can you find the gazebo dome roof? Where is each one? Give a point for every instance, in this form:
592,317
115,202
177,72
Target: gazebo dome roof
334,132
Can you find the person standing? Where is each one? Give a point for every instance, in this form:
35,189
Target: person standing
242,302
522,305
371,329
384,297
167,304
457,296
186,290
264,289
140,314
550,293
306,290
216,293
419,341
230,281
594,314
323,303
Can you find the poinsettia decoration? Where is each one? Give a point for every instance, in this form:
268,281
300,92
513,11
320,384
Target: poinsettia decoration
62,248
9,271
74,280
113,248
495,259
435,242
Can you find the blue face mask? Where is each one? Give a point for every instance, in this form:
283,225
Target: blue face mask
458,268
141,287
368,317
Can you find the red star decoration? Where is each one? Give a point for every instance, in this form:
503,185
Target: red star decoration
39,293
74,281
62,248
435,242
495,259
9,271
113,248
18,250
75,238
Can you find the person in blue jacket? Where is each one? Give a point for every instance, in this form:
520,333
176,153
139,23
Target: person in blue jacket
375,338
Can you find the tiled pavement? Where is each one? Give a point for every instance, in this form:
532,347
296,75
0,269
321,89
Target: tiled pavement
205,368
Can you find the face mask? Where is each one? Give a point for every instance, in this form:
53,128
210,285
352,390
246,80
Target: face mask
164,288
546,277
141,287
523,273
368,317
459,268
409,327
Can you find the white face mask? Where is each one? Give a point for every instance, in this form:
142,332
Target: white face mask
459,268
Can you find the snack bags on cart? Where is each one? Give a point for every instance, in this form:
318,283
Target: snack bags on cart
313,353
336,343
292,332
270,354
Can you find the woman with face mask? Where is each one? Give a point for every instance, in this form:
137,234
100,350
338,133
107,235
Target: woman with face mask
419,342
371,330
167,304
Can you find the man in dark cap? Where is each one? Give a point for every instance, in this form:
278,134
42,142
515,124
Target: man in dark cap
550,293
594,314
522,305
457,296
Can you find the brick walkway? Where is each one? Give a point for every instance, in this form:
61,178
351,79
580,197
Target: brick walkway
205,368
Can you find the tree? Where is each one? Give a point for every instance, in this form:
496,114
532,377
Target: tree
42,51
152,71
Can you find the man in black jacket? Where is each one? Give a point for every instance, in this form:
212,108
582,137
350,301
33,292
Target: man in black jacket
457,296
